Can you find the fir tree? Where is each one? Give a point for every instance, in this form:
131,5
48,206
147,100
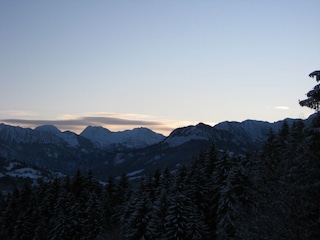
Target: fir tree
110,201
62,223
158,213
137,215
177,221
313,99
25,223
93,221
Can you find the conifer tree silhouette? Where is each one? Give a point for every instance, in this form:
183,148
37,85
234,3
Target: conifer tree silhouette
313,100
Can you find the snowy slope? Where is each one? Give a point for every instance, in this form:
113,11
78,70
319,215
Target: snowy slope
244,134
251,130
16,134
18,169
68,137
13,174
42,134
185,134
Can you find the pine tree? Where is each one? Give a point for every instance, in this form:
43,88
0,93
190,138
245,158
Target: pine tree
25,223
312,145
137,215
11,214
3,207
124,190
308,180
271,147
177,221
93,222
185,218
110,201
295,138
219,174
313,100
228,203
78,184
61,223
158,213
42,213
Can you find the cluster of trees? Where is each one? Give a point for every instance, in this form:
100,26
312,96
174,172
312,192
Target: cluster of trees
77,208
270,194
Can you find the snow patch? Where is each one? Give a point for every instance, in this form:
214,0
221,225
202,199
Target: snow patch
119,158
25,173
134,173
12,165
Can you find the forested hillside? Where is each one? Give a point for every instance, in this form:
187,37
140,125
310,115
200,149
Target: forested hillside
270,194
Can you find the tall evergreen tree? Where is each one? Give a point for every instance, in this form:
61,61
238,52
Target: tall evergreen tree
93,221
24,226
233,198
109,202
178,218
137,215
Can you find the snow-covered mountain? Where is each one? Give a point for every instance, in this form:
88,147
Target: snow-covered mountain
98,136
255,131
16,134
247,134
182,135
133,139
48,131
131,151
43,134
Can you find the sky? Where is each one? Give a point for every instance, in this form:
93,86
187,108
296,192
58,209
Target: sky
156,64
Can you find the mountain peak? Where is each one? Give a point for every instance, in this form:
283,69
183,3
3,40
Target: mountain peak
135,138
203,125
48,128
95,129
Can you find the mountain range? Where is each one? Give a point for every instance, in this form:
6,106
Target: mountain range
135,152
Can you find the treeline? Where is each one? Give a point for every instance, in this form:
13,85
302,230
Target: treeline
270,194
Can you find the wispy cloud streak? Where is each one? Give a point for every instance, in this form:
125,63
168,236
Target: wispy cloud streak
19,113
281,107
77,124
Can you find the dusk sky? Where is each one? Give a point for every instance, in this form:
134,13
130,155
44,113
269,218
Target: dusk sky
156,64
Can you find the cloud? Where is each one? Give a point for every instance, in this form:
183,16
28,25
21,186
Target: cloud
83,121
281,107
112,121
118,121
19,113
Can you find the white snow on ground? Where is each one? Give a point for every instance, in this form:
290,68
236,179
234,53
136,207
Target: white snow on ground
157,157
25,173
11,165
134,173
119,158
134,178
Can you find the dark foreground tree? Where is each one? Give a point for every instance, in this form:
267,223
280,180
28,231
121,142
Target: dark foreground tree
313,100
